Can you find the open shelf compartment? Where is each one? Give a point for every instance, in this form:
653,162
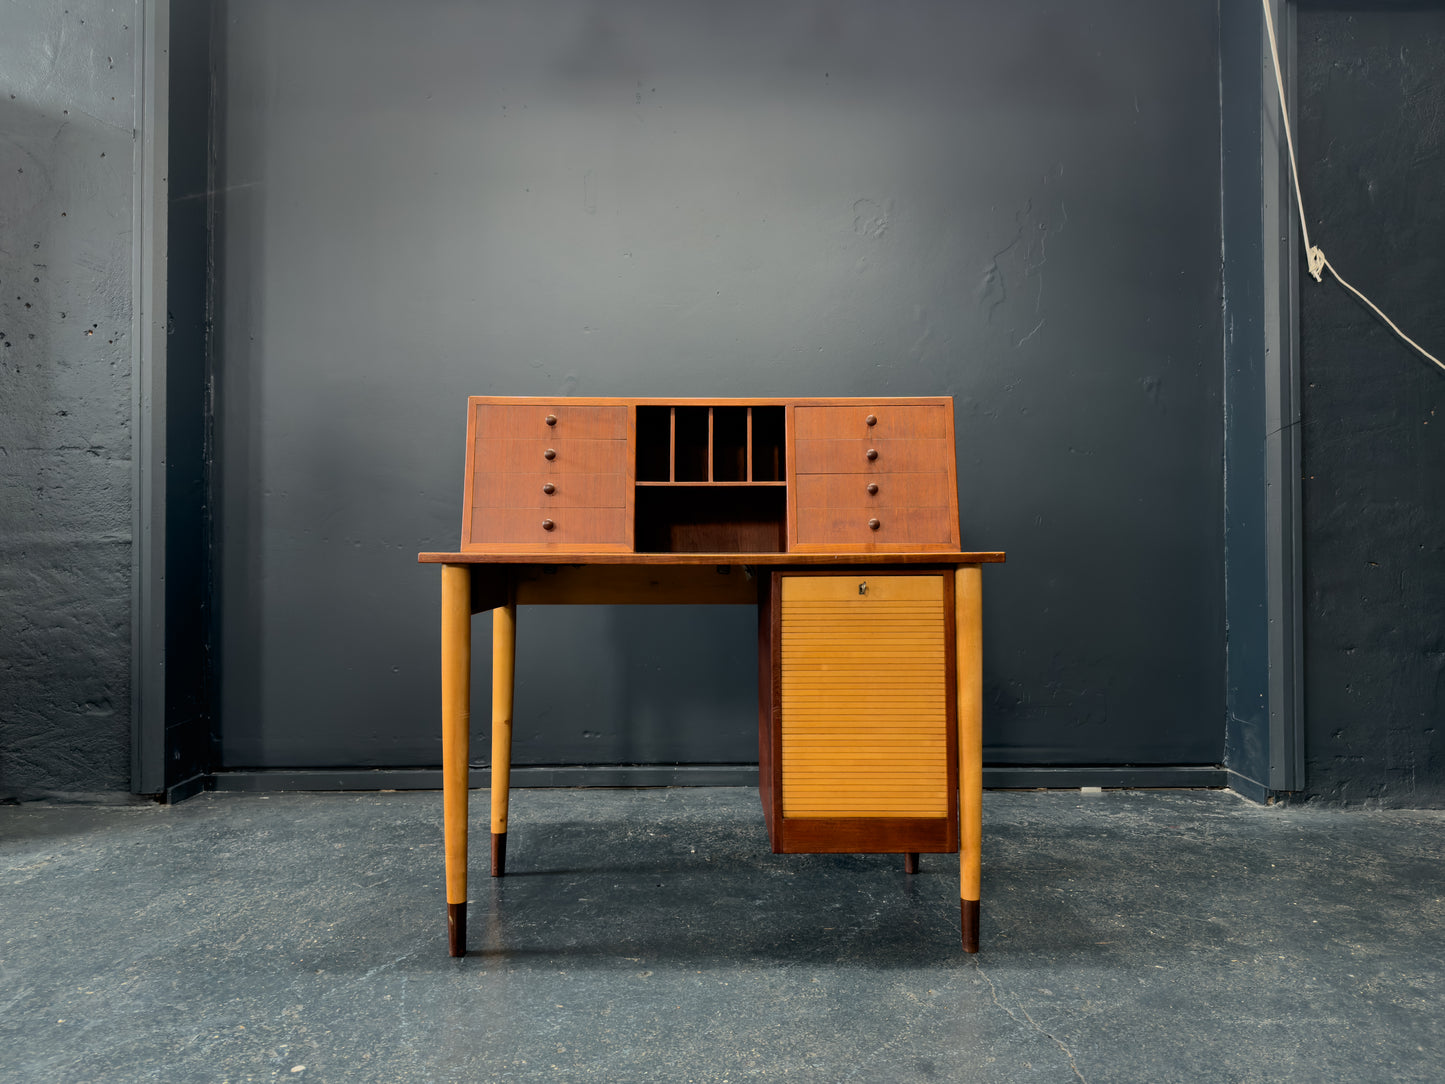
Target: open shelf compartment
693,444
711,519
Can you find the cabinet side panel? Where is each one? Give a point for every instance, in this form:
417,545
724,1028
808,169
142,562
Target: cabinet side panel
468,484
766,721
951,462
790,472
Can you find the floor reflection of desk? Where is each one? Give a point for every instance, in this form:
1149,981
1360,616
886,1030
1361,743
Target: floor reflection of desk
475,582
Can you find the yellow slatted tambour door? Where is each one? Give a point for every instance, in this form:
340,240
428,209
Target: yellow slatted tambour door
864,698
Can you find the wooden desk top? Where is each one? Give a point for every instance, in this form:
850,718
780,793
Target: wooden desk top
759,559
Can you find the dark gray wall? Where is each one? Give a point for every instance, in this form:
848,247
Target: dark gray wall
380,263
1016,204
1372,146
66,89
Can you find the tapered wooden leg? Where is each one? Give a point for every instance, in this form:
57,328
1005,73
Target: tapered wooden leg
968,602
456,727
504,677
910,862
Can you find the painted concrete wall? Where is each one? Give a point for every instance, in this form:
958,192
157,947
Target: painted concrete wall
1373,472
66,79
1016,204
1372,147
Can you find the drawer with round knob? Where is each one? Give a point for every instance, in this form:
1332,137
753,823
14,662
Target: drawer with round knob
883,526
882,420
556,456
503,490
839,456
547,527
559,420
876,491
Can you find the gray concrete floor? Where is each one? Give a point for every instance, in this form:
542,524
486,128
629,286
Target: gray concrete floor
651,935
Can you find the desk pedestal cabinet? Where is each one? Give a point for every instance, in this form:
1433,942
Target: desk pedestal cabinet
858,742
837,518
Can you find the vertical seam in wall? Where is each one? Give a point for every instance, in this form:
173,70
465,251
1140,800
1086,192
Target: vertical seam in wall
1224,396
138,404
209,685
1294,736
1283,447
148,484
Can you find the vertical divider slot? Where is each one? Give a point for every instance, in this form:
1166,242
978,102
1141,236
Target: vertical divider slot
730,444
692,446
750,444
766,445
654,444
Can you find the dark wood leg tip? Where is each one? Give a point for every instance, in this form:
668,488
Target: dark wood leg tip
499,853
910,862
969,911
457,928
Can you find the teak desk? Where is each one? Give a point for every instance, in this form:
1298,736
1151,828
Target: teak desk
837,518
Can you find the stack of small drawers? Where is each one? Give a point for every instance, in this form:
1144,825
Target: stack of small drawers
551,473
874,474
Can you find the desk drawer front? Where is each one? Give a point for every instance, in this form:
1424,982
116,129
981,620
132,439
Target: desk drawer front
524,420
891,456
569,526
567,491
864,710
891,491
574,456
907,422
918,526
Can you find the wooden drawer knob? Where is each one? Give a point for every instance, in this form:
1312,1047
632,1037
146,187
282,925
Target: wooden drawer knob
551,419
873,525
548,488
547,525
871,419
550,453
872,488
872,453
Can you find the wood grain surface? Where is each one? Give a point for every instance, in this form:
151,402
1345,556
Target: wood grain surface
864,709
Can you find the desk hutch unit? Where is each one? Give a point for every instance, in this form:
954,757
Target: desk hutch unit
837,518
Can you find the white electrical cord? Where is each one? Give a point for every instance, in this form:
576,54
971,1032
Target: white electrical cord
1316,256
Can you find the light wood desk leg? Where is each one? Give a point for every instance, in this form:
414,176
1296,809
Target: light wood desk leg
456,727
968,616
504,679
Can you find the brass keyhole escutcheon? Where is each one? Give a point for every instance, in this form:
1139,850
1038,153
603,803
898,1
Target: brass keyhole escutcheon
863,588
